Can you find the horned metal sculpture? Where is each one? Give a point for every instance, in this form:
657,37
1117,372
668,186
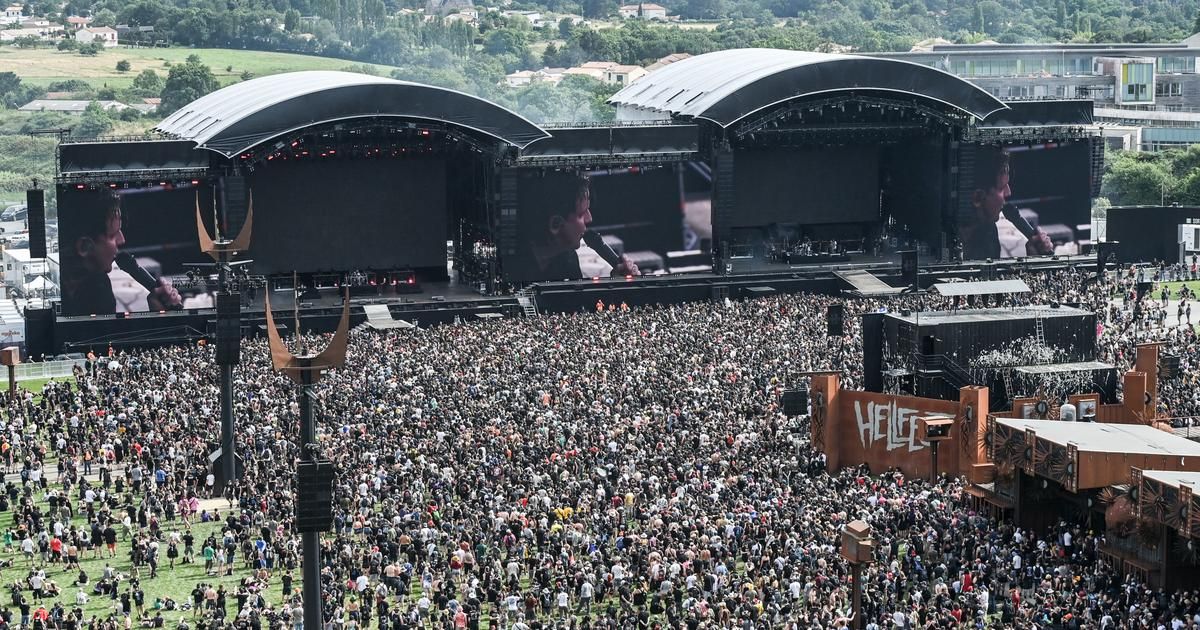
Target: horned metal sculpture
229,328
305,370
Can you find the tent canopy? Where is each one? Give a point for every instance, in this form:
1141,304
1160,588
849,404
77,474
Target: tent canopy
40,283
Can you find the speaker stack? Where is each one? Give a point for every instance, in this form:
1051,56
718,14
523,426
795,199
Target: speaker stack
35,203
795,402
229,328
314,505
834,316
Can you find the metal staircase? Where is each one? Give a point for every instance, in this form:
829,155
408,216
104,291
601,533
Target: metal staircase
1040,331
945,367
525,298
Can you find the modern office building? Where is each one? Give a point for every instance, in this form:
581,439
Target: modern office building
1155,87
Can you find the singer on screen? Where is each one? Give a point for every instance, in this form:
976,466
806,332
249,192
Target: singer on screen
981,238
553,232
86,285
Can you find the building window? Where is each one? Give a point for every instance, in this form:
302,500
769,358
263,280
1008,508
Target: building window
1168,88
1176,65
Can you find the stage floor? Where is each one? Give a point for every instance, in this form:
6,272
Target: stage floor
749,264
430,293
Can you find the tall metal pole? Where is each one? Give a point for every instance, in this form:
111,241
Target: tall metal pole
933,471
311,541
856,575
229,457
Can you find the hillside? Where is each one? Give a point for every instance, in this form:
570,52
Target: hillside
43,66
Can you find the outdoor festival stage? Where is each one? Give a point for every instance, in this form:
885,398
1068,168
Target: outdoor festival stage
443,302
345,172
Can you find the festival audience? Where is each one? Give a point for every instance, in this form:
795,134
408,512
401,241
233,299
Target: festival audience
627,468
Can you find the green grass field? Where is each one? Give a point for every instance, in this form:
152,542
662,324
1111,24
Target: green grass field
44,65
1174,287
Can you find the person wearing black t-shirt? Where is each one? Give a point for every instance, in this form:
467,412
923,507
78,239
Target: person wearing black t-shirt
552,231
87,258
981,239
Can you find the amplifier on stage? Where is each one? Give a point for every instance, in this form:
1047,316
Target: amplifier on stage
405,282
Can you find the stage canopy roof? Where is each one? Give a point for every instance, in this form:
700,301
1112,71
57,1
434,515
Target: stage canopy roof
1110,438
236,118
726,86
1173,477
983,287
1082,455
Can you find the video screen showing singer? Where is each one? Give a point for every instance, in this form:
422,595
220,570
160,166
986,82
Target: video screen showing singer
88,255
981,237
554,231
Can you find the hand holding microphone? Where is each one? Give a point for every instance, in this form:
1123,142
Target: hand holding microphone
162,296
622,265
1039,242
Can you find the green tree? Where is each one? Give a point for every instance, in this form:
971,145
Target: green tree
9,82
45,120
185,83
599,8
104,17
147,83
504,41
1132,179
291,20
91,50
124,65
704,9
94,122
362,68
69,85
566,28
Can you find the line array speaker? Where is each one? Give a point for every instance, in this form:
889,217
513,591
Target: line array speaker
314,507
35,201
229,328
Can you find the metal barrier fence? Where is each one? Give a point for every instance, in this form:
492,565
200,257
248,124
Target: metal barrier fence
1191,433
48,369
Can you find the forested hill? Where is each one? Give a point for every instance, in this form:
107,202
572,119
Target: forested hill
473,51
357,28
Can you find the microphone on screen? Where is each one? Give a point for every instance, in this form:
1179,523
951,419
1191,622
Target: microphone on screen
596,242
1014,216
129,265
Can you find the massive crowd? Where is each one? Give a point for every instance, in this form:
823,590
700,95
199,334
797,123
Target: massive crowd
624,469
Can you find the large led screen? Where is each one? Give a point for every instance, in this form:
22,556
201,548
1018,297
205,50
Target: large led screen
806,186
315,216
656,220
155,226
340,215
1024,200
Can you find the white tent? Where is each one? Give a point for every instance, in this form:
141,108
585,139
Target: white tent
40,283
